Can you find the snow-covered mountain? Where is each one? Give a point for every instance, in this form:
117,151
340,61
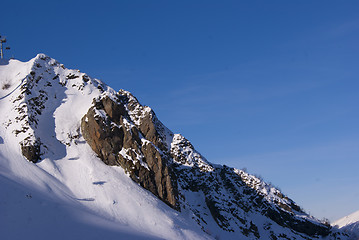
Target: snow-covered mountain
349,224
79,160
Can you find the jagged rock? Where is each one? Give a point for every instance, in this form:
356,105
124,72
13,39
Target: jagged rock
109,131
244,194
146,121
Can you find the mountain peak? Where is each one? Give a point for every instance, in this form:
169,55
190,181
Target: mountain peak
42,56
349,224
35,89
83,137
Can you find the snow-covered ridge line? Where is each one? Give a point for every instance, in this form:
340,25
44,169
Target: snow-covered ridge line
352,218
349,224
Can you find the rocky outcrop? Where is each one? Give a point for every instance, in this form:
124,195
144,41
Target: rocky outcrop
32,151
124,133
244,196
109,130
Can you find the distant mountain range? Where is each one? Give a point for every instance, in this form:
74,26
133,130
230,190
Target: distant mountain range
79,160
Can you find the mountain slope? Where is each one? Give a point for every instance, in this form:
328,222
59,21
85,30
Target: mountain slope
69,172
349,224
102,153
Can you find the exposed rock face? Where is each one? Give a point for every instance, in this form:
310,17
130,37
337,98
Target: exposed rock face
244,196
111,133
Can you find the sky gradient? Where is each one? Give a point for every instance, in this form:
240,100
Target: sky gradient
270,86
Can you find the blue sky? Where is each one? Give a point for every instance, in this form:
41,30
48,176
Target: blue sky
271,86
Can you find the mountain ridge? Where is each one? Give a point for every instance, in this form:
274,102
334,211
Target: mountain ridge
349,224
53,112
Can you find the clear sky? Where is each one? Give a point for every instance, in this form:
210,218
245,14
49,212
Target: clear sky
271,86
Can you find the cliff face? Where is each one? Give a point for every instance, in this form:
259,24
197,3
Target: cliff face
221,200
112,134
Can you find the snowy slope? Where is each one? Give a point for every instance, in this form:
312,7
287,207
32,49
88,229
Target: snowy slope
66,191
349,224
72,193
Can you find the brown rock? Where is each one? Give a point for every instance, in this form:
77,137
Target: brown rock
143,161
